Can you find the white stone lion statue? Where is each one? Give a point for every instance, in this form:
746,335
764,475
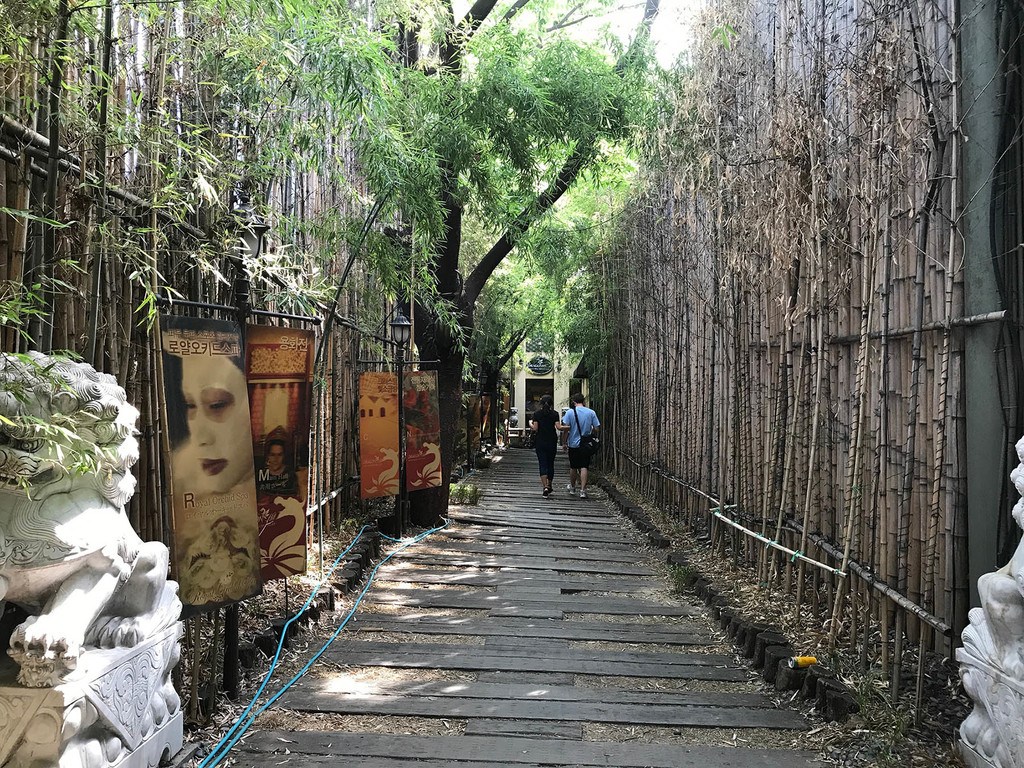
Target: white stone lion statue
68,553
992,658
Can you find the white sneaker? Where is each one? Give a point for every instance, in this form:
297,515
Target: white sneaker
571,489
583,494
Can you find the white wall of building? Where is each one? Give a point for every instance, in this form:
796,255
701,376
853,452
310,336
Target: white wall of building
558,380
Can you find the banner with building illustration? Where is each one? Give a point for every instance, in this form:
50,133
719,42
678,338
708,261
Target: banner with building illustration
378,435
423,431
279,370
213,488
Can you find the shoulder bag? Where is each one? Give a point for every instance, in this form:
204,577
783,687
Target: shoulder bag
589,444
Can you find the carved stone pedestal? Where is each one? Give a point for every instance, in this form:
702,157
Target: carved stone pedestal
118,708
992,736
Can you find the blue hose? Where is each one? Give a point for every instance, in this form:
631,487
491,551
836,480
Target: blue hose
243,723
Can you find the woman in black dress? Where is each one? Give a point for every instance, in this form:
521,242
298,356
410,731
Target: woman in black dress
544,423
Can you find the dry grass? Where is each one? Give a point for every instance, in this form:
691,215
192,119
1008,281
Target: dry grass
291,720
666,684
742,738
399,637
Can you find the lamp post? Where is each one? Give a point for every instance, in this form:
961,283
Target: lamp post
401,329
252,229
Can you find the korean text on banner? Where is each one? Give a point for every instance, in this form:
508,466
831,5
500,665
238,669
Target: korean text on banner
213,489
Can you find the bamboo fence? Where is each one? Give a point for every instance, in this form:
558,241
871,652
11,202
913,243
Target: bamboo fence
786,326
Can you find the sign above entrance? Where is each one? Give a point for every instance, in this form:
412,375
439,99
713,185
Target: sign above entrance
539,365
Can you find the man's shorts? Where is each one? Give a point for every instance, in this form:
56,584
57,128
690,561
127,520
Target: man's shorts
579,459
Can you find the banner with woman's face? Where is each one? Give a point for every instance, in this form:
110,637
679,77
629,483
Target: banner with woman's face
213,490
279,368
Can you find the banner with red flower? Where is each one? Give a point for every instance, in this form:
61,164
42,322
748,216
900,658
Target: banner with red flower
423,431
279,370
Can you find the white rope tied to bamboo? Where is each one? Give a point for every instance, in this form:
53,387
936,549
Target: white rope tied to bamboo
795,554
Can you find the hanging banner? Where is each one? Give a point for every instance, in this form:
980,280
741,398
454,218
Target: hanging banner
378,435
213,488
423,431
279,369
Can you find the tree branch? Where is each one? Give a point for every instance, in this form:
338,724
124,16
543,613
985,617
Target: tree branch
519,338
517,6
479,11
574,164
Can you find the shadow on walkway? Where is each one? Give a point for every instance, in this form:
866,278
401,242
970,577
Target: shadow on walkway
531,632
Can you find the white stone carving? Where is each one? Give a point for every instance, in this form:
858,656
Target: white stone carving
91,683
992,659
118,708
68,553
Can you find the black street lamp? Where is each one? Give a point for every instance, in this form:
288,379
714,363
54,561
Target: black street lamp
401,329
252,228
252,234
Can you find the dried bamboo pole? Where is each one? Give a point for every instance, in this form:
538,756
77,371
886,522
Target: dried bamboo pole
860,407
815,425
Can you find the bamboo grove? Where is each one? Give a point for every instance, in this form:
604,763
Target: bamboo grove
132,136
785,342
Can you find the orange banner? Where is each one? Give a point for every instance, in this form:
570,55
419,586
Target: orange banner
213,489
378,435
279,369
423,431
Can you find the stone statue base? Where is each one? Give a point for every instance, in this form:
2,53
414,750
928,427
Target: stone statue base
118,708
991,736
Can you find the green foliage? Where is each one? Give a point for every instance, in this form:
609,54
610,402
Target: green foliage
54,436
516,302
725,34
682,577
464,493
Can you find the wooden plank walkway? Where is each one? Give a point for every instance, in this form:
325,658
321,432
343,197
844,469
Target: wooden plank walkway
533,632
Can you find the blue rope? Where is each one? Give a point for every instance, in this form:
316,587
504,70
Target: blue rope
235,733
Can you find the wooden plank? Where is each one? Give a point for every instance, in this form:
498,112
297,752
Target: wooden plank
529,730
534,679
527,611
573,711
495,641
513,579
505,689
634,632
471,599
602,554
503,533
476,661
509,750
531,649
584,525
274,760
540,564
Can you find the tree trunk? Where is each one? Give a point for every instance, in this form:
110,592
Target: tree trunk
426,508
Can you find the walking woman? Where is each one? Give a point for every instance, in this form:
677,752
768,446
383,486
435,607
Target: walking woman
544,422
